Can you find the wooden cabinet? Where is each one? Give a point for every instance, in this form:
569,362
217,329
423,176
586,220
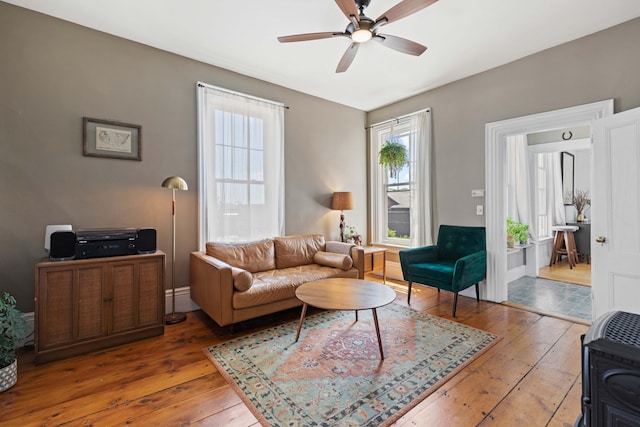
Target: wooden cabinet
90,304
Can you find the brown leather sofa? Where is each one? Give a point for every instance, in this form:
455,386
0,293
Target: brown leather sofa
233,282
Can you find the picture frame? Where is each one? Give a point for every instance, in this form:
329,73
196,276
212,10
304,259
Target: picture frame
111,139
567,167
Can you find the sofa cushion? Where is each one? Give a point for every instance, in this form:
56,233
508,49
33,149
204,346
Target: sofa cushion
292,251
242,279
333,260
250,256
277,285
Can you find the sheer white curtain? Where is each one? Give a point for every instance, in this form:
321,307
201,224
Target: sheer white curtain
558,215
520,183
241,166
420,171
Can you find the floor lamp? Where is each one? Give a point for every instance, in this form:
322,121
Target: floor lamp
174,183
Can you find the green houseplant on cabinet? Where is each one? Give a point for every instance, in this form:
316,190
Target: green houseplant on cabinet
393,155
516,232
13,329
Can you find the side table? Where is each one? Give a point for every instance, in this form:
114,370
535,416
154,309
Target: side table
375,259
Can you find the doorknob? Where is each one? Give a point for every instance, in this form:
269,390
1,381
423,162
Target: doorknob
601,239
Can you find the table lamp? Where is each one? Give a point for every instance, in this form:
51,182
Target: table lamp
342,201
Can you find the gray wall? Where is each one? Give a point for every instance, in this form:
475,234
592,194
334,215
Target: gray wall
52,73
597,67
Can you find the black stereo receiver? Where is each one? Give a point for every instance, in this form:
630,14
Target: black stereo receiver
104,242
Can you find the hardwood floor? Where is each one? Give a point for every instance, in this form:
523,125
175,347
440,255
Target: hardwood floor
561,272
531,377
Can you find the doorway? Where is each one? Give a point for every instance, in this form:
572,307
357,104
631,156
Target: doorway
545,169
495,156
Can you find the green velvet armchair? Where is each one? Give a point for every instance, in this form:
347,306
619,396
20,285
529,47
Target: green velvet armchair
457,262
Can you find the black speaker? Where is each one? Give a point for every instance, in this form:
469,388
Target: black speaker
63,246
146,240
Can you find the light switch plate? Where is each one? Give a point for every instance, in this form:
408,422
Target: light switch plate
477,193
479,210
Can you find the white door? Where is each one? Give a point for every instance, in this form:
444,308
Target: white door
615,213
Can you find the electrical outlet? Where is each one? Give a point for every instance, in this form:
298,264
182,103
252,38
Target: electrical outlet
479,210
477,193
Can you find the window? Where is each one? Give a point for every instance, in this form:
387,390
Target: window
240,156
401,205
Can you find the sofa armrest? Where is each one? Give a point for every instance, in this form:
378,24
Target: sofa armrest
469,270
417,255
211,284
357,254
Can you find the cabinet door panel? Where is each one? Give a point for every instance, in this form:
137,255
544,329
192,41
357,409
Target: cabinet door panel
91,321
149,302
124,296
56,316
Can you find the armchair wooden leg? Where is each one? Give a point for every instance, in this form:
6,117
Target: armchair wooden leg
455,303
409,293
477,293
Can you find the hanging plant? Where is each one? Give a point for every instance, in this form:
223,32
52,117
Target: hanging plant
393,155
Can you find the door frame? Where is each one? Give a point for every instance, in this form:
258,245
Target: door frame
496,134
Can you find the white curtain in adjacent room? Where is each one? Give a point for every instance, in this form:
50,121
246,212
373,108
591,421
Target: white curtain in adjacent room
241,166
520,183
558,216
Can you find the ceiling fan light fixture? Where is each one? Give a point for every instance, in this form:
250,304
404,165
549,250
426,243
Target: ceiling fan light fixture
361,35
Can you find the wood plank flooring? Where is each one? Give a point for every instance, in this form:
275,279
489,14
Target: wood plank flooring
561,272
531,377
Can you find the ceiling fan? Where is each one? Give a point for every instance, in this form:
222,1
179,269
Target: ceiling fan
362,29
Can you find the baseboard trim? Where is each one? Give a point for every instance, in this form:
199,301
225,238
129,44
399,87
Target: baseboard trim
183,300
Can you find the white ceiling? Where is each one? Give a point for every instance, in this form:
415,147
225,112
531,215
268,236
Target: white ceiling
464,37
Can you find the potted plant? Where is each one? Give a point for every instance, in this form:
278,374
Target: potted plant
581,200
516,232
393,155
13,329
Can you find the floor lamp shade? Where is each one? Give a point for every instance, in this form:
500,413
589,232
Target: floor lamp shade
174,183
342,201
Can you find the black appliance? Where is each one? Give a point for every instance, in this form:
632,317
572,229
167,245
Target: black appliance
102,242
611,372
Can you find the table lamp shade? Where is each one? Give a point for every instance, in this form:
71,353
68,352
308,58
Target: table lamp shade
342,201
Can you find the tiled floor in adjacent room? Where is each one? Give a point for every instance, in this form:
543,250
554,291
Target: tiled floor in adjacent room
550,296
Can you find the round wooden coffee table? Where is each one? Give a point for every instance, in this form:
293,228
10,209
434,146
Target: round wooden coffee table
345,294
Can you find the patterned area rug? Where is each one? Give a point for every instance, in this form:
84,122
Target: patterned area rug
334,376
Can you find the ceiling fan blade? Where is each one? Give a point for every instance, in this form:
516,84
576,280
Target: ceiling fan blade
348,7
402,9
309,36
400,44
347,58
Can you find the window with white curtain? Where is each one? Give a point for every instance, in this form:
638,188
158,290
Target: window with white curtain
401,205
241,166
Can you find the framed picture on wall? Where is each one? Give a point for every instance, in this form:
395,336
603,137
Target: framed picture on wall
566,162
115,140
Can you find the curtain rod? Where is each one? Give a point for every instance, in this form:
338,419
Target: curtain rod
397,119
233,92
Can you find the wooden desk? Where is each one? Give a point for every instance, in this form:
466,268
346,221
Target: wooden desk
375,259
